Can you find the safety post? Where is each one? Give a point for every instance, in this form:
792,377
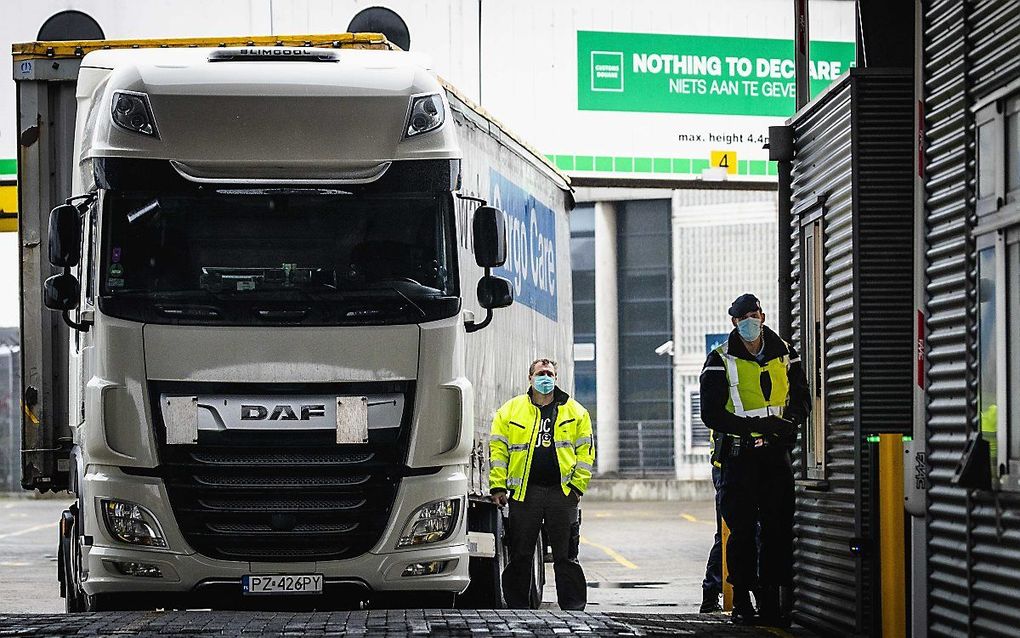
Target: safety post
727,588
891,536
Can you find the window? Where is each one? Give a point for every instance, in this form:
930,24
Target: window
644,270
813,342
242,258
997,239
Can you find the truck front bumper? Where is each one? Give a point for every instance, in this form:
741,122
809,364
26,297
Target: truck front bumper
183,571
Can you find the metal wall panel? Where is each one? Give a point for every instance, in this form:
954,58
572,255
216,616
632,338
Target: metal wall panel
853,170
827,590
970,49
883,131
46,115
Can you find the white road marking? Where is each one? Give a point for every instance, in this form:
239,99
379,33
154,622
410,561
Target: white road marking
27,530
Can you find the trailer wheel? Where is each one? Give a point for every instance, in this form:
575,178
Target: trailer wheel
486,588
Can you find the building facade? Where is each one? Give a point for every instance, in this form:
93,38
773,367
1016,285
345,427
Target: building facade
654,273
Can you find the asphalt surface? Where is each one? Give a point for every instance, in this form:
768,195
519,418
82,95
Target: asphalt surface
644,563
641,556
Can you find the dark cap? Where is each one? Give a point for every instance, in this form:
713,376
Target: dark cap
744,304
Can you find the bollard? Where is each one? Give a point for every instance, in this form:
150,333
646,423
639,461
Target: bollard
891,535
727,588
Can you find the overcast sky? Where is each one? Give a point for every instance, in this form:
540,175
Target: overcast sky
9,279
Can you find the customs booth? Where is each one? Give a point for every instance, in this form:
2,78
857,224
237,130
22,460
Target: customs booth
850,254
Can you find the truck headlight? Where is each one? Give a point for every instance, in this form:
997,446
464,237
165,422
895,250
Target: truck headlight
132,523
430,523
131,111
427,113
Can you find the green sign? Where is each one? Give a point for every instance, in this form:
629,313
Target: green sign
656,73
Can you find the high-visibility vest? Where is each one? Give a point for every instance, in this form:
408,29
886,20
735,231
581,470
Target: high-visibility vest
744,379
512,443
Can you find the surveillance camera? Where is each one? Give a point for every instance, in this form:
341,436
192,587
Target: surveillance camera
665,349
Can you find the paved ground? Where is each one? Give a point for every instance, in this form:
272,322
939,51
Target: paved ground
28,558
644,563
647,557
440,623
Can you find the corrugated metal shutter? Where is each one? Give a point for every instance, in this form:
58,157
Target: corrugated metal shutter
827,590
853,166
970,49
994,560
950,290
883,112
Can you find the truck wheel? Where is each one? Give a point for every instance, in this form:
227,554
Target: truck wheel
67,564
486,588
537,575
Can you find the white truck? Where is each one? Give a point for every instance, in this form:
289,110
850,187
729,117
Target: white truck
273,359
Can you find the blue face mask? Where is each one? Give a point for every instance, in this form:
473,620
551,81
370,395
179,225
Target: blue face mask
543,384
749,329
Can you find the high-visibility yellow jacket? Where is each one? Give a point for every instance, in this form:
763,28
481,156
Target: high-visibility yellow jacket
512,444
734,386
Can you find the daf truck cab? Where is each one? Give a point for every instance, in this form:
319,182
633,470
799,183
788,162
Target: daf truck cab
275,266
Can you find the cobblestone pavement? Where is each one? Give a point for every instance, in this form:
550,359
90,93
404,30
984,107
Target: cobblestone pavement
375,623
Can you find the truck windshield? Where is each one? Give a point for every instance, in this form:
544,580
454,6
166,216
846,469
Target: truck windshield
269,256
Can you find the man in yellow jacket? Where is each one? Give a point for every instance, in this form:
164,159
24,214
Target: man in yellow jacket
541,455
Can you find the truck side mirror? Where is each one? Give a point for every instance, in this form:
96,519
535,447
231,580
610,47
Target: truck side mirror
60,292
489,226
494,292
64,236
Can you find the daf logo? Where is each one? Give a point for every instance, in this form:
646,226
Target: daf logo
282,412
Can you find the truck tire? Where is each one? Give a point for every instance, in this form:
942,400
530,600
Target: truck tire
486,588
537,574
67,564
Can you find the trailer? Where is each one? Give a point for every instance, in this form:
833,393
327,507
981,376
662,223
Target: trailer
268,319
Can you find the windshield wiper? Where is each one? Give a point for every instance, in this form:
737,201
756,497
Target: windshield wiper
423,314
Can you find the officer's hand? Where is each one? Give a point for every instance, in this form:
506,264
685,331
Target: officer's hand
499,499
774,425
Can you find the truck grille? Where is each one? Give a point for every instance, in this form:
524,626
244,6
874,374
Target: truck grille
283,496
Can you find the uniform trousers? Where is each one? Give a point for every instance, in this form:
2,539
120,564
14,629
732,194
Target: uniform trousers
757,499
546,505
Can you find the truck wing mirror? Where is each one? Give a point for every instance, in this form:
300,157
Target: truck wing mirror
494,292
64,236
489,226
60,292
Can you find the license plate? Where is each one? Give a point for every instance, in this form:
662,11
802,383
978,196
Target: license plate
281,584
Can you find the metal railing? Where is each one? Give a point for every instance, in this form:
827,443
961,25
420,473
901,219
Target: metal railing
10,419
646,448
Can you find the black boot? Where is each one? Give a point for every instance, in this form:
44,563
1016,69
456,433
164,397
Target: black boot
743,610
709,601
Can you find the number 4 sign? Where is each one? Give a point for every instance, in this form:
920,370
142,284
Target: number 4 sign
725,159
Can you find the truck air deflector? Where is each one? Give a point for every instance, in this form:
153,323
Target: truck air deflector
347,176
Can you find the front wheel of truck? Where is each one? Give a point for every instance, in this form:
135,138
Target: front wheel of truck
68,562
486,588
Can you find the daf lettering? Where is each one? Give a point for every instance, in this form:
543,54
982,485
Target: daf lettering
282,412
